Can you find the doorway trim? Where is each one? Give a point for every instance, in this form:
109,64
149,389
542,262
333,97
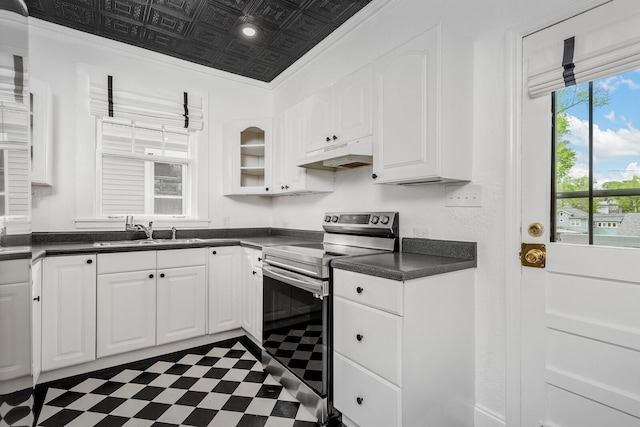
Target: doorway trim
513,195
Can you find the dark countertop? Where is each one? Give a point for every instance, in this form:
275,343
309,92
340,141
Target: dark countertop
14,252
74,248
419,258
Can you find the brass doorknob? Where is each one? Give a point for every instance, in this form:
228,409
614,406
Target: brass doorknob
534,256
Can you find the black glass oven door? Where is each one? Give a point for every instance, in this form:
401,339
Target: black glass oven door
294,325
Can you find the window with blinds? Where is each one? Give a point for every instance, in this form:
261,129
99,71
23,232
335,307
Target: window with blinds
14,160
144,168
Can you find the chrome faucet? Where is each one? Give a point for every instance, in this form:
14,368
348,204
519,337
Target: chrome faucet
173,233
130,226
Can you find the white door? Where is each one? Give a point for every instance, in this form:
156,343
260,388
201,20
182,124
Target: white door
581,313
126,312
181,303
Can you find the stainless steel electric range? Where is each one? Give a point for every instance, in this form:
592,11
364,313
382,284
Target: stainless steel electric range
297,303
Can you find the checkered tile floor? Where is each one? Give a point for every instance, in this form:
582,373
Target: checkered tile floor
225,387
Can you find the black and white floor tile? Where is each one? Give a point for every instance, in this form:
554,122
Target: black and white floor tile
224,387
16,409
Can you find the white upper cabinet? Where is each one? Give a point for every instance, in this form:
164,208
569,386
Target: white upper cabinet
247,165
352,106
422,110
288,148
340,113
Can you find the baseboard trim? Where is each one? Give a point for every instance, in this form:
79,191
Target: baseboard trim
484,417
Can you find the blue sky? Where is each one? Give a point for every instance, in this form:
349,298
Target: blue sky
616,131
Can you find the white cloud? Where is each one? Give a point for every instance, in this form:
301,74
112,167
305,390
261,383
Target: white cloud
609,144
611,116
579,170
612,83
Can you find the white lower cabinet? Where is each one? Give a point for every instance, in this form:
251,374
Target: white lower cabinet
68,311
403,351
181,303
14,319
225,288
252,293
126,312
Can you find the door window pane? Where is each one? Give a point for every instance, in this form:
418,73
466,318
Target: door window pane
597,162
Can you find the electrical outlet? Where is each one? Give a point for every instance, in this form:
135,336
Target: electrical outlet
420,232
464,195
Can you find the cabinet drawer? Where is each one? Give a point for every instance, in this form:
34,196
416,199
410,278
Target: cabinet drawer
121,262
380,402
182,257
373,291
255,257
369,337
14,271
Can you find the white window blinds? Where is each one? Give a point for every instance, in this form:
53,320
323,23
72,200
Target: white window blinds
600,50
182,111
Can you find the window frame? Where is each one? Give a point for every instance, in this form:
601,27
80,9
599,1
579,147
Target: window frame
189,170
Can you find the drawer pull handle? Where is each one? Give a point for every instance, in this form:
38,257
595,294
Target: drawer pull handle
161,274
89,261
359,400
37,298
359,337
214,252
151,276
359,290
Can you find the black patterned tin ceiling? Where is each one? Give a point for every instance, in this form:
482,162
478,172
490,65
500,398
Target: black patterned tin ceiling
208,32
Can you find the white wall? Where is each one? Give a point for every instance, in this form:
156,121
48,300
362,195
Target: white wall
57,54
486,22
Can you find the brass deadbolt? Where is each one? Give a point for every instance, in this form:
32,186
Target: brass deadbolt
533,255
536,229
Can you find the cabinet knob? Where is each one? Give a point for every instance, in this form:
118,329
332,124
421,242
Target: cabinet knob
359,337
374,176
335,137
37,298
89,261
286,187
266,189
161,274
259,259
359,400
359,290
282,187
254,273
328,139
214,252
151,276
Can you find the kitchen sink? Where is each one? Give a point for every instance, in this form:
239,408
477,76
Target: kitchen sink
145,242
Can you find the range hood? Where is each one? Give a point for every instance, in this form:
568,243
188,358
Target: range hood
340,156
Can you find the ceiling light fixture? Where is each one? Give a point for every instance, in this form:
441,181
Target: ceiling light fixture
249,30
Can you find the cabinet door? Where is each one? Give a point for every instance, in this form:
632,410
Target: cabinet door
225,288
248,296
14,331
181,303
353,106
405,112
247,166
257,290
318,120
68,311
36,320
126,313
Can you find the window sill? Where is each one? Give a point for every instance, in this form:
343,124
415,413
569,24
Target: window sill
118,223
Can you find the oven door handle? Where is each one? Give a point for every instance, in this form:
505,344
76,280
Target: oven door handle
317,287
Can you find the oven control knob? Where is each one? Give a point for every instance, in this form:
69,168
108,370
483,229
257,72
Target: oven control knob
327,218
374,219
334,219
384,219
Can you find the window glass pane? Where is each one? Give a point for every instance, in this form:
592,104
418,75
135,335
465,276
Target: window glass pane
148,141
595,128
117,136
167,179
176,144
167,206
123,186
